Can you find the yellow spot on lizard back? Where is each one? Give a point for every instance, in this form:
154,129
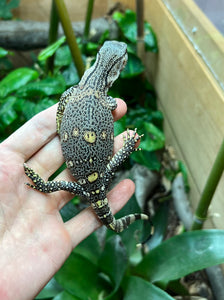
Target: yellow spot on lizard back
75,132
90,137
93,177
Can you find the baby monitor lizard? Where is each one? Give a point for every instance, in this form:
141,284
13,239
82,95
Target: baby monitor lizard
85,126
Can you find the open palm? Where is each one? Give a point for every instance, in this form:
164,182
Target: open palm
34,240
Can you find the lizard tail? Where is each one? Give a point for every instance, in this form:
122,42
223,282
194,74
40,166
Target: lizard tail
103,211
123,223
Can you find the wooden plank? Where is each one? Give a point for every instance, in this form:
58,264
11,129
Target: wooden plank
77,9
205,38
192,99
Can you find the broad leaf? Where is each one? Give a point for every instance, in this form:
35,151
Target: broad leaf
160,224
147,158
127,23
63,56
128,26
46,87
182,255
120,126
29,109
79,277
70,75
113,261
133,68
50,290
89,248
138,288
150,38
65,296
7,112
16,79
6,7
50,50
3,52
154,138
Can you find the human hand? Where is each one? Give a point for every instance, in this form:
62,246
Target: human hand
34,240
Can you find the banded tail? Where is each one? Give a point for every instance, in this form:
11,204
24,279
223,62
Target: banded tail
123,223
103,211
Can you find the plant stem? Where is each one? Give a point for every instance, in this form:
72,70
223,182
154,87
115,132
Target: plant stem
140,29
209,190
70,36
88,20
53,34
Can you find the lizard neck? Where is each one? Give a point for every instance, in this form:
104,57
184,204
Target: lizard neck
98,78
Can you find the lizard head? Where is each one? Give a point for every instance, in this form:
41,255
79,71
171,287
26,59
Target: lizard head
112,59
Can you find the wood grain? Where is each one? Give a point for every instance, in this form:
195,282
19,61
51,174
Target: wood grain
39,10
190,97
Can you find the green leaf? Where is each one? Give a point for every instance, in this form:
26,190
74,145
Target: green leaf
79,277
6,7
91,48
113,261
65,296
50,290
120,126
63,56
70,75
16,79
154,138
138,288
127,24
150,38
133,68
182,255
160,222
89,248
29,109
147,158
50,50
46,87
3,52
7,112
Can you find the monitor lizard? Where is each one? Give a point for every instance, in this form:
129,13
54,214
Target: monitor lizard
85,126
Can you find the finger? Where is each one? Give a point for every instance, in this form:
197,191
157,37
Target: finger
119,140
48,159
34,134
86,222
121,109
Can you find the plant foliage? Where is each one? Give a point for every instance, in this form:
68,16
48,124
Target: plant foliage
6,7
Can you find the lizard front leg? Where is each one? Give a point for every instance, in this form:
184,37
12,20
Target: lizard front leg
112,103
121,156
52,186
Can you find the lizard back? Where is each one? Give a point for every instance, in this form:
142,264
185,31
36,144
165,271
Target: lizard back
87,136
